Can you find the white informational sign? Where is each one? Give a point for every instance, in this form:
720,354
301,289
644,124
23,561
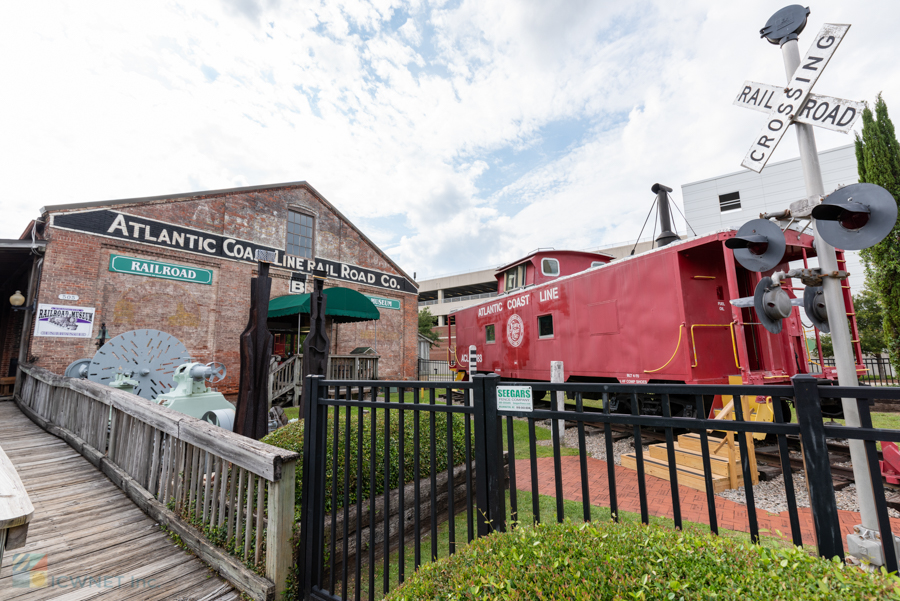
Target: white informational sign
68,297
794,96
64,322
514,398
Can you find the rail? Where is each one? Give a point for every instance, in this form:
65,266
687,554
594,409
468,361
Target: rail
284,378
874,370
16,509
352,367
230,499
405,417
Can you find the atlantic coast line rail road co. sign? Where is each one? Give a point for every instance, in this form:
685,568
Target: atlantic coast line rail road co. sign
795,102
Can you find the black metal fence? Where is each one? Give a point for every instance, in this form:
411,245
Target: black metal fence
878,372
432,370
362,458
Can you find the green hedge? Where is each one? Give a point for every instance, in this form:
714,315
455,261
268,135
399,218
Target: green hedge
633,561
290,438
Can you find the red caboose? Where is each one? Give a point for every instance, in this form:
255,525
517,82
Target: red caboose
659,317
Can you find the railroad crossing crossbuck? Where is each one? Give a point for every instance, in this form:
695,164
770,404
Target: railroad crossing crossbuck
823,111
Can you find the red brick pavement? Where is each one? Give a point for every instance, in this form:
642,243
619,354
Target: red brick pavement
730,515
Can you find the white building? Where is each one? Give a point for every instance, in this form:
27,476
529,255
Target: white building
729,201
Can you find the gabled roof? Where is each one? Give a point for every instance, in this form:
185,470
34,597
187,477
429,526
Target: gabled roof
189,196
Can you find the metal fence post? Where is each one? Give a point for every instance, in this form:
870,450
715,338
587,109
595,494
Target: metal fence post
311,510
489,481
493,442
818,470
481,467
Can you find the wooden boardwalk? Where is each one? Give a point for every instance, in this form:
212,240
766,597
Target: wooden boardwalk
98,543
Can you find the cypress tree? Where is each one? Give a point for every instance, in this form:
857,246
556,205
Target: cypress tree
878,162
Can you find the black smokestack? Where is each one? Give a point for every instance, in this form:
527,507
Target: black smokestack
666,235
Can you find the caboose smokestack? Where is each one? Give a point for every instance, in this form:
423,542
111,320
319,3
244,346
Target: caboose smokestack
666,235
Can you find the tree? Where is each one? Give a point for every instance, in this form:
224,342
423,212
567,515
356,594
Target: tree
878,162
869,320
426,322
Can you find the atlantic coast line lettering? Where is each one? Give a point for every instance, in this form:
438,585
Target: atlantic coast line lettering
121,226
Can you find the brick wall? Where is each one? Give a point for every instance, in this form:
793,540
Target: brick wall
208,319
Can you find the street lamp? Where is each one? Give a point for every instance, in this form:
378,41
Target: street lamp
17,300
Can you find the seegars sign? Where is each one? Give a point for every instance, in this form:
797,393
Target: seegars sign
514,398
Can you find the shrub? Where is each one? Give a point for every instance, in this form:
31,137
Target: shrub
633,561
290,438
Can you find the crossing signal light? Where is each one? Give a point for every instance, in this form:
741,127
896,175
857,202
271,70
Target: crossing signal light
759,245
814,304
856,217
772,304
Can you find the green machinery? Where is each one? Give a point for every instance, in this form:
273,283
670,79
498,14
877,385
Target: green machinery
157,366
192,397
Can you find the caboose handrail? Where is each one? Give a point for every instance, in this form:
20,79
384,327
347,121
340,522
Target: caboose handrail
677,346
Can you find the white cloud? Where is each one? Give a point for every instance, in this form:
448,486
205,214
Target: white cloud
480,130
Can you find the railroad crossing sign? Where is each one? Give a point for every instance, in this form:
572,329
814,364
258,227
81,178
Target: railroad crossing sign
782,103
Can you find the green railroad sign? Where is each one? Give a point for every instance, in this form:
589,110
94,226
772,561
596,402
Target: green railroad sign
159,269
384,303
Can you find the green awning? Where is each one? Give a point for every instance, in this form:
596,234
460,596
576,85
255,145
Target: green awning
343,305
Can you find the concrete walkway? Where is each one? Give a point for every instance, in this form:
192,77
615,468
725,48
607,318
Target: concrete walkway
730,515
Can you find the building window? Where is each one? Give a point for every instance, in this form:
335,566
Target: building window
300,234
545,326
730,202
489,333
550,267
515,278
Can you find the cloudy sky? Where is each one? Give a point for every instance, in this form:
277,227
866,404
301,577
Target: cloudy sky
456,134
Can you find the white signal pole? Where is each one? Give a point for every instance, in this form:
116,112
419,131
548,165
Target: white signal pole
834,302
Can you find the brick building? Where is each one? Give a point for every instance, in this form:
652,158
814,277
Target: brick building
182,264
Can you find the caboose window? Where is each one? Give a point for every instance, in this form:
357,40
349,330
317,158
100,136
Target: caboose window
597,263
550,267
489,333
545,326
515,278
730,202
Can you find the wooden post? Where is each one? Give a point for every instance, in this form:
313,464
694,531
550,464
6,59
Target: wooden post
556,375
296,393
279,547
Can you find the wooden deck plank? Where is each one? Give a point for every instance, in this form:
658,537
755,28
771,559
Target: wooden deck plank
88,526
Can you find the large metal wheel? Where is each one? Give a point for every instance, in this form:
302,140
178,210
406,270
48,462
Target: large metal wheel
149,356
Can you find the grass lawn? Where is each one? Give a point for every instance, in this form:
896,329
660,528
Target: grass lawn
572,511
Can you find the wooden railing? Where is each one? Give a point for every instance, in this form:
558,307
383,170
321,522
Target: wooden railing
285,377
352,367
229,498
